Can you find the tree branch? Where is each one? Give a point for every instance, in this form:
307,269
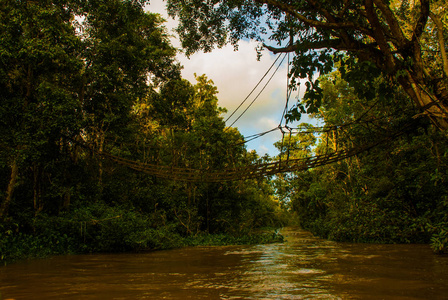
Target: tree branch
337,44
422,20
333,19
305,46
313,23
441,41
379,34
392,21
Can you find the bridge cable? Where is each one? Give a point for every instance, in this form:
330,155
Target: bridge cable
259,82
288,94
322,129
269,80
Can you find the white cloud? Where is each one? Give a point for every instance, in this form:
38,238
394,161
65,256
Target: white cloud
235,74
263,150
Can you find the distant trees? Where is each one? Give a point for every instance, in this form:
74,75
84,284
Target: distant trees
189,131
391,193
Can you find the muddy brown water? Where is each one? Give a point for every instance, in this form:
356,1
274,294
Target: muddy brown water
304,267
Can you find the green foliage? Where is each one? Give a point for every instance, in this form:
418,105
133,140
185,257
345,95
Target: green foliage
82,78
391,194
439,240
16,245
439,227
103,228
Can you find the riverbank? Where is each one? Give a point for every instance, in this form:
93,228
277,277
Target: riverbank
100,227
17,246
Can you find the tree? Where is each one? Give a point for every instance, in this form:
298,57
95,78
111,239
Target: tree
182,125
390,193
71,70
296,146
125,49
39,75
397,37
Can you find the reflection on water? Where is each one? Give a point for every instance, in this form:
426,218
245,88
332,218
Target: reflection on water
304,267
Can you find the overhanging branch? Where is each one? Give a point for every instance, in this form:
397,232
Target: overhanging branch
305,46
337,44
394,26
422,20
379,34
313,23
441,42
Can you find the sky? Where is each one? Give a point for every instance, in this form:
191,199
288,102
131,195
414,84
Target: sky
235,74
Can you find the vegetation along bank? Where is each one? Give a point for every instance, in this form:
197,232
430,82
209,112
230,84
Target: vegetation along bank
81,79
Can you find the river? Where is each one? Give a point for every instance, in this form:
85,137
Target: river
304,267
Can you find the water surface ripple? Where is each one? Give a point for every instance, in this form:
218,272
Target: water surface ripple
305,267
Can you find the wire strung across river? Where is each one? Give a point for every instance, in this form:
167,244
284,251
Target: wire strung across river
259,93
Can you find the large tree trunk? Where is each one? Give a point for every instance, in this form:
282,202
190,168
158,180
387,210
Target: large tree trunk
10,190
441,98
433,104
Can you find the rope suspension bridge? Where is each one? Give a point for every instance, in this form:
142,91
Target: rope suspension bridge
257,170
249,171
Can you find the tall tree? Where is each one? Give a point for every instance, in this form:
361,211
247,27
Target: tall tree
39,74
71,70
125,48
395,36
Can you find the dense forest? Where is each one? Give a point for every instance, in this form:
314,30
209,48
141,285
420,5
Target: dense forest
79,78
377,75
82,79
393,193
